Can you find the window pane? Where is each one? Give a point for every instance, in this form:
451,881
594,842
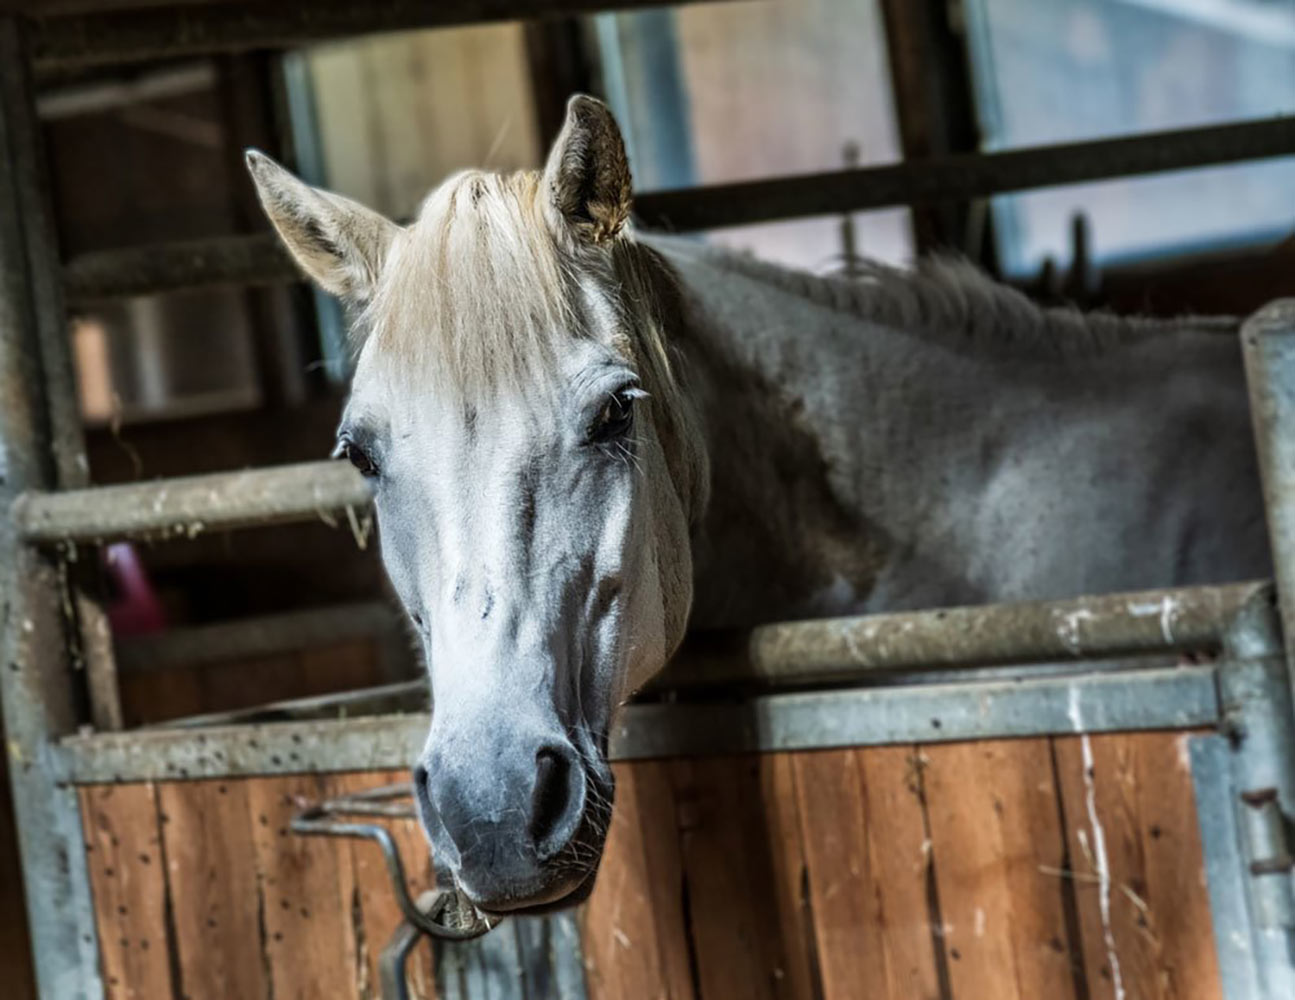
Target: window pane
819,245
397,113
1079,69
760,90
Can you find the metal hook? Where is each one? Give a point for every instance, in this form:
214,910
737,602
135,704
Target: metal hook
445,912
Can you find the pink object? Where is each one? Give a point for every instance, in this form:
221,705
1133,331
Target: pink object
135,608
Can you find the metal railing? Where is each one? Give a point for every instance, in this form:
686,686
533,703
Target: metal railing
136,34
261,260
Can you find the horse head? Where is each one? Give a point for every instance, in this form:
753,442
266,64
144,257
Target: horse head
518,412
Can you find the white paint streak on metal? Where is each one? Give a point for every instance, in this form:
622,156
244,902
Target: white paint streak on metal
855,651
1068,628
1169,608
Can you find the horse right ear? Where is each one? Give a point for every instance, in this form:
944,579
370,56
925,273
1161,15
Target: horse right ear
587,177
339,243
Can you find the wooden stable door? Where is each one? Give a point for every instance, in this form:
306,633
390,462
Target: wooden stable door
1031,869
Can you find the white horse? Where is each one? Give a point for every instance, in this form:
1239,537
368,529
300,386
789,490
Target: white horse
581,439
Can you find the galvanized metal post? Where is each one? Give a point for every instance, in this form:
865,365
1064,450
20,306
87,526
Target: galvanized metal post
1268,339
67,437
1259,722
37,683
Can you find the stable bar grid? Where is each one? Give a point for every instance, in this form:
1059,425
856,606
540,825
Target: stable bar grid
260,260
1245,693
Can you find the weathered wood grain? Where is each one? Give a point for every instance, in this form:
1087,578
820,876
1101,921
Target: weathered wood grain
996,832
740,945
952,872
303,894
128,882
865,844
207,833
372,908
634,925
1142,902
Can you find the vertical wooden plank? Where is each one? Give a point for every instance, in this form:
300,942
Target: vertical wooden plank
995,832
741,947
865,844
790,909
1140,887
208,839
372,908
128,882
633,927
304,896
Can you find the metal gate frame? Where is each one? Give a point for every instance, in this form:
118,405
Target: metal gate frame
57,677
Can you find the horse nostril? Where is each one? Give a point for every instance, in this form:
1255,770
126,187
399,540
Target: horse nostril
422,794
556,801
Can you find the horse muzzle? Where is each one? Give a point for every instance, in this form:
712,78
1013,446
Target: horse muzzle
524,832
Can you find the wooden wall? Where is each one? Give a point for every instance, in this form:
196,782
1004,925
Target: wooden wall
962,871
152,696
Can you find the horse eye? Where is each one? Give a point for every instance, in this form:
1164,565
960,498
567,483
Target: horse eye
359,458
615,419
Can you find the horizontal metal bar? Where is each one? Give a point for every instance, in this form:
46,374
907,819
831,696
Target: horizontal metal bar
258,259
791,654
185,507
1165,698
377,742
169,32
384,699
965,176
1102,626
253,638
254,260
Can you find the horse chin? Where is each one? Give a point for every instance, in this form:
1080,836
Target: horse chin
565,901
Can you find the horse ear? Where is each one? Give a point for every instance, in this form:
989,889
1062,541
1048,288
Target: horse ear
587,177
339,243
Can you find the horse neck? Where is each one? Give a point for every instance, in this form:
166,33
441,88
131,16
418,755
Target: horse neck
853,459
811,498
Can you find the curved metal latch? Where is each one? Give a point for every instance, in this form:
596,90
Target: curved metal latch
443,912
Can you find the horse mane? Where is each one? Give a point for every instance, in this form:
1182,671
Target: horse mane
948,300
473,288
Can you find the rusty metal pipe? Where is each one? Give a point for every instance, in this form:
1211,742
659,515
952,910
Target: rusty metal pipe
1085,628
191,505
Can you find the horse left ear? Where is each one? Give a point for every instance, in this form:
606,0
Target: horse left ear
587,177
